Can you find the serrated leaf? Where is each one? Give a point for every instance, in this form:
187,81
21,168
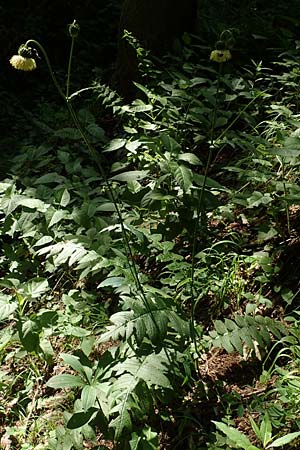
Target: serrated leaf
96,131
236,341
68,133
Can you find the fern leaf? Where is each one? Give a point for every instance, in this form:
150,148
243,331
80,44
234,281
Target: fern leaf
255,333
152,320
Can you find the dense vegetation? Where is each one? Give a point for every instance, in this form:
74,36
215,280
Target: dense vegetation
149,250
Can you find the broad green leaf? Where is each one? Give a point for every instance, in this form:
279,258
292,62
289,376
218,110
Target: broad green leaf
226,343
65,198
10,202
140,108
7,306
52,177
266,430
131,175
79,419
33,203
132,146
184,176
284,440
68,133
220,327
112,281
56,217
114,145
209,182
28,335
239,439
65,381
170,144
35,287
74,362
123,420
190,158
96,131
236,341
88,397
44,240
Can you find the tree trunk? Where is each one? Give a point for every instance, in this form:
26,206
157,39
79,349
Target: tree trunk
155,23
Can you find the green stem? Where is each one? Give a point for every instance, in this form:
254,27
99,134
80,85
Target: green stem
69,67
287,211
49,66
199,217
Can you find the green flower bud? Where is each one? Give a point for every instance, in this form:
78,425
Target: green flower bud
220,45
74,29
25,51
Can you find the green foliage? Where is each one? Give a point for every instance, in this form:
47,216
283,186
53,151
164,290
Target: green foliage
245,333
135,252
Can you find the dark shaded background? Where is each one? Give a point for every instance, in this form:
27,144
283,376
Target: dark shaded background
263,29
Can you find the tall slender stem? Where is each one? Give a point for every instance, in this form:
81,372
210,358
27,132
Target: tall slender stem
199,215
69,67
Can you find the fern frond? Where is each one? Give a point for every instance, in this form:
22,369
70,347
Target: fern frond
152,321
245,332
146,372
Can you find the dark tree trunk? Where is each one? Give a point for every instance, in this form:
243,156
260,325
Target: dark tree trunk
155,23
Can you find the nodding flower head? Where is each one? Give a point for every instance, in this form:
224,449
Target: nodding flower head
220,56
74,29
24,60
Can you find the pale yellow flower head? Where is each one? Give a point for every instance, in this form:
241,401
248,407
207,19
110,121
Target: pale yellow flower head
21,63
220,56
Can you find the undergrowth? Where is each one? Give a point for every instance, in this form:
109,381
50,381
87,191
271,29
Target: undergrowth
136,261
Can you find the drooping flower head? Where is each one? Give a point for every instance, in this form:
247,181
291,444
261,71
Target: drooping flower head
222,47
220,56
24,60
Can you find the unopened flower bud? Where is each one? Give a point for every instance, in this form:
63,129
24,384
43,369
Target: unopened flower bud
25,51
74,29
220,45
